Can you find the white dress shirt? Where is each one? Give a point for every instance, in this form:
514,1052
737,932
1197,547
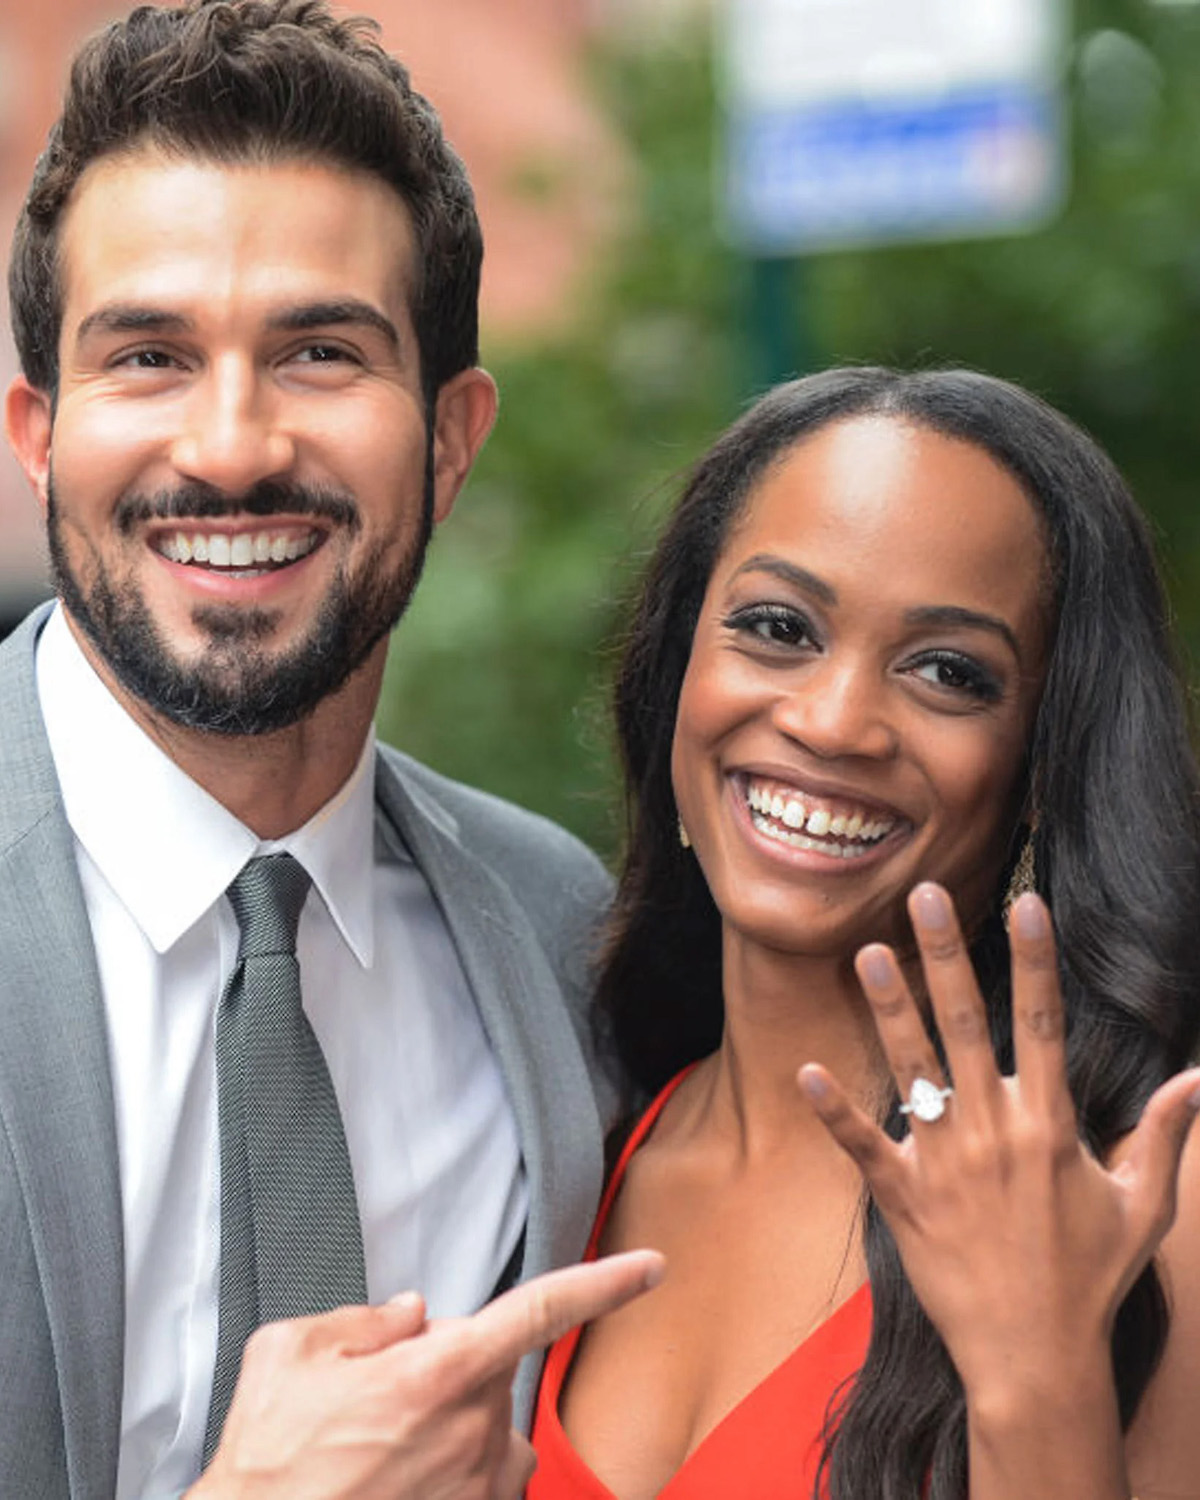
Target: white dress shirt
433,1144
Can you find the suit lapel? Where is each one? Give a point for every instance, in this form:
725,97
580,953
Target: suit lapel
55,1086
526,1020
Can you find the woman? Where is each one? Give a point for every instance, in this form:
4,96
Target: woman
901,650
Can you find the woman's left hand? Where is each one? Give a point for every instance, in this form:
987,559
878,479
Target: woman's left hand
1018,1242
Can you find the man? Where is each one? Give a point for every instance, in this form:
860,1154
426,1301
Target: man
244,295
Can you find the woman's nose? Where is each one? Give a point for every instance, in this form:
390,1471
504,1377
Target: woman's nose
838,710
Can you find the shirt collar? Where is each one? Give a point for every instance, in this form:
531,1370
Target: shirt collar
167,848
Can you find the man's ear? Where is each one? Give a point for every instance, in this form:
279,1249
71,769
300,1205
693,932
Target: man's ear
28,421
466,409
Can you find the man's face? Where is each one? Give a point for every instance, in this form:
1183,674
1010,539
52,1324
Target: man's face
239,473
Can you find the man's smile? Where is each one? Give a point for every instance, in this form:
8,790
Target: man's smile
264,550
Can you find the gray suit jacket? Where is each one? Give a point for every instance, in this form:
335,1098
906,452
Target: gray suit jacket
520,897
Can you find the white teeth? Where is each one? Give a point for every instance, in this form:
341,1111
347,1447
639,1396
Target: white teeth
815,829
804,841
235,550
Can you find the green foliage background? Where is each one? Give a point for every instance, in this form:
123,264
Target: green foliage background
499,672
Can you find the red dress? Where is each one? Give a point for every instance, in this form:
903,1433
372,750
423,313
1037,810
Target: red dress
767,1448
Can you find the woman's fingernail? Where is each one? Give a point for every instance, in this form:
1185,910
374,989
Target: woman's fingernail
875,966
405,1301
1029,917
931,906
814,1084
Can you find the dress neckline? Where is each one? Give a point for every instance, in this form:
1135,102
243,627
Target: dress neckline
853,1309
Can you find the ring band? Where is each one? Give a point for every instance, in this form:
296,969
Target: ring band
926,1101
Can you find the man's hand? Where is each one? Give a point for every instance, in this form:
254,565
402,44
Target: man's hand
375,1403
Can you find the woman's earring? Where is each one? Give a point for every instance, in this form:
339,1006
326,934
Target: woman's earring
1023,877
684,841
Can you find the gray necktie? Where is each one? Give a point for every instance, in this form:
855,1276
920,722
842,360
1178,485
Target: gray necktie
290,1237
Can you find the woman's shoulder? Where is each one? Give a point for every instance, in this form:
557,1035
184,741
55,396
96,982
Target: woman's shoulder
1164,1441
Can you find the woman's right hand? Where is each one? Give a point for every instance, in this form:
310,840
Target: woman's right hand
1018,1242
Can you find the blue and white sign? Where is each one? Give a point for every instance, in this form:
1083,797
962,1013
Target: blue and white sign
853,122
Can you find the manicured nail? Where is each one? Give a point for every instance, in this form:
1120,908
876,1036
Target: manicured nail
405,1301
814,1084
875,966
1194,1098
1029,918
931,906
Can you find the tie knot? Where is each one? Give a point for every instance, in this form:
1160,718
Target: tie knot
267,898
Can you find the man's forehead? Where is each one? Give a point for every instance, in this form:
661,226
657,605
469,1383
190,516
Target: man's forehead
148,215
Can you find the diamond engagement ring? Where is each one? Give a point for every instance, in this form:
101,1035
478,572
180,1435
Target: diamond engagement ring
926,1101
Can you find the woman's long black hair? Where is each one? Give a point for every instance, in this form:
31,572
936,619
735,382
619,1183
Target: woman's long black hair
1116,849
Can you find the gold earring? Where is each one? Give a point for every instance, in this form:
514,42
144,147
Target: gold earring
684,841
1023,877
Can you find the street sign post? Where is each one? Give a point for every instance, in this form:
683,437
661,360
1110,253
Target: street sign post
854,122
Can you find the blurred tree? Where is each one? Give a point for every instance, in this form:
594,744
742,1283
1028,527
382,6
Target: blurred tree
498,676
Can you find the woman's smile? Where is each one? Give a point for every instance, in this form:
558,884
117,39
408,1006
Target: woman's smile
862,685
835,824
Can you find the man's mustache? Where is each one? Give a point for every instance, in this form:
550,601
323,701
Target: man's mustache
198,501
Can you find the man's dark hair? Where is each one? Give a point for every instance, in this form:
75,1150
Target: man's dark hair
234,81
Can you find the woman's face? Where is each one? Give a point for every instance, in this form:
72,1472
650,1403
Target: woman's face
862,686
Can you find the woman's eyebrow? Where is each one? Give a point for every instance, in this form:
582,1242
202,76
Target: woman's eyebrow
801,578
951,615
955,615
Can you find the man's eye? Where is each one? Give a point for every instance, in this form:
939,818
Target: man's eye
957,673
325,354
775,624
149,359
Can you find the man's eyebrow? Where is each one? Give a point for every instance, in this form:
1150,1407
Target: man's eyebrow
343,310
954,615
800,578
130,317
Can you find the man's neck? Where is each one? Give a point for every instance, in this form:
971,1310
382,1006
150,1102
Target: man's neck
273,783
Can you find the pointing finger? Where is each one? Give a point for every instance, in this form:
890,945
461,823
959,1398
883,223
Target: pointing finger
535,1314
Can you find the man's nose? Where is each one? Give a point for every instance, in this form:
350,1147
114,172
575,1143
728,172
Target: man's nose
232,435
838,709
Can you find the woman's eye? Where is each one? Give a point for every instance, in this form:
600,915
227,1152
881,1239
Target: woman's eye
775,624
956,673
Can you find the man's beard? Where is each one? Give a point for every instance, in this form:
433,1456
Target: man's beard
238,686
